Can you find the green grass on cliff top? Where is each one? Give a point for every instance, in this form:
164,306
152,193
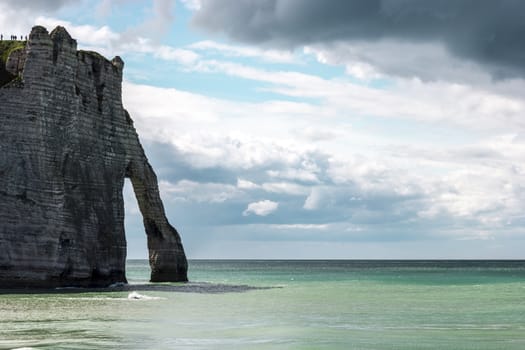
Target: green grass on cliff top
7,46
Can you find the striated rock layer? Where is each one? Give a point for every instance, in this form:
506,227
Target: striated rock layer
66,145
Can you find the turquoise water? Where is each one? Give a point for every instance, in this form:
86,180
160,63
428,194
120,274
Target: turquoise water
313,305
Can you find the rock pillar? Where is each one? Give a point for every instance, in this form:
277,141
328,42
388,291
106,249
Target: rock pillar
66,145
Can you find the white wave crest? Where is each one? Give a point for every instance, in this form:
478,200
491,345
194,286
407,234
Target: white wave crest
137,296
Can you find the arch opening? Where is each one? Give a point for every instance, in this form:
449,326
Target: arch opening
166,256
137,267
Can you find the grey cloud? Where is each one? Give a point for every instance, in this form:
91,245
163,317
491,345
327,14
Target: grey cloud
485,31
171,165
155,26
334,203
411,59
40,5
163,11
17,17
174,165
355,192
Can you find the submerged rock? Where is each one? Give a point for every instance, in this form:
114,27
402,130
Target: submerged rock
66,146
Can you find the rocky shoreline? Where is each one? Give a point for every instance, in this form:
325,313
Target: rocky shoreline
189,287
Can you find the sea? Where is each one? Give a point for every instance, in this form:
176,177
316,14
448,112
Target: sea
283,304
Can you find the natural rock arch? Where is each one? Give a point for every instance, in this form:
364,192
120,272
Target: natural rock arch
166,255
66,145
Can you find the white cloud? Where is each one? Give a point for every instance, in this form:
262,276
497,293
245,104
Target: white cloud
18,18
186,190
430,183
319,133
12,22
271,56
221,133
180,55
490,198
87,35
362,70
285,188
434,102
246,185
261,208
147,46
307,173
141,38
353,66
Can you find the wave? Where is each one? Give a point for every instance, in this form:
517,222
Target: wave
137,296
189,287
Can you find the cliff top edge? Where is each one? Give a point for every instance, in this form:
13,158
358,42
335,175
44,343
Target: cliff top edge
58,36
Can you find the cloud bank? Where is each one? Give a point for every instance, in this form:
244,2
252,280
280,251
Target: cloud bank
336,129
486,32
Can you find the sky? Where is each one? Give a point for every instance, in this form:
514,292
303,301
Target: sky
305,129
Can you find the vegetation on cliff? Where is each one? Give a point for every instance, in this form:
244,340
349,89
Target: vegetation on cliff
6,47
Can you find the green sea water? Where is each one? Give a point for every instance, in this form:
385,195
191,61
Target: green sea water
311,305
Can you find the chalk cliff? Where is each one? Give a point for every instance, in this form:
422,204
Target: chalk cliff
66,146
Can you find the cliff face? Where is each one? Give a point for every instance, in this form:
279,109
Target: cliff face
66,145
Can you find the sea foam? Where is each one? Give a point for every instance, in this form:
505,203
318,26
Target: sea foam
137,296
